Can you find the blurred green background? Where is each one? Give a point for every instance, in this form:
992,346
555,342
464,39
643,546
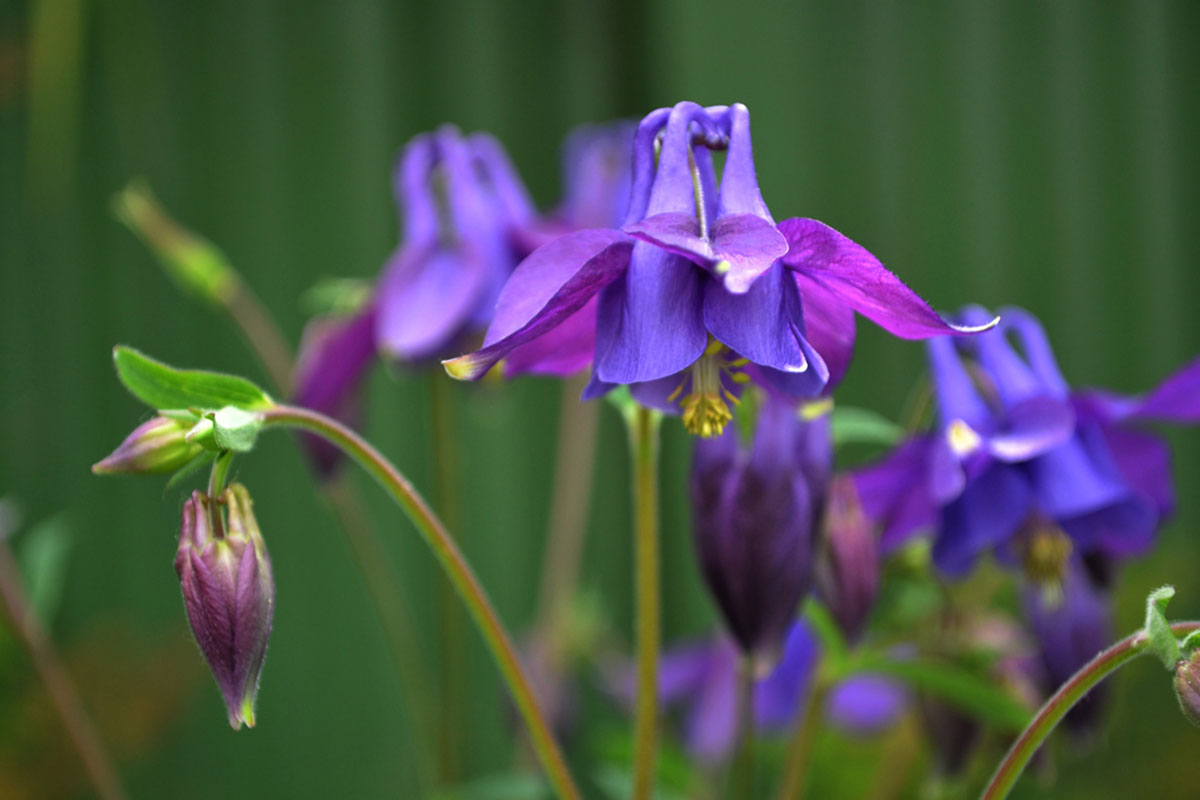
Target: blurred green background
1041,154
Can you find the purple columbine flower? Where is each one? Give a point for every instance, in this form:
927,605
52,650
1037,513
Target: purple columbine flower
156,447
335,354
702,678
699,287
463,208
229,593
755,510
1020,465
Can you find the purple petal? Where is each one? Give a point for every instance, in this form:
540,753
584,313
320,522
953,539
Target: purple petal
866,704
739,184
1177,399
644,160
334,355
851,273
895,492
650,323
828,327
413,188
779,697
682,670
739,248
1145,463
1036,347
957,397
1123,528
1032,427
545,290
673,189
765,325
661,394
1077,477
990,510
561,351
505,184
426,297
712,725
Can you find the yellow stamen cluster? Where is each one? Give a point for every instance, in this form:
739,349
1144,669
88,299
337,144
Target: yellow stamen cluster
1047,552
705,410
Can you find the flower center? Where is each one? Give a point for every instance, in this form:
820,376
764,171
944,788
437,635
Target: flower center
705,410
1047,551
962,438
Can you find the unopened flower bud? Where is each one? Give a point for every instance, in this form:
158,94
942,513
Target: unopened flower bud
1187,686
229,593
155,447
847,573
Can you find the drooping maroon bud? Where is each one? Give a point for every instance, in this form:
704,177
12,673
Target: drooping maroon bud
156,447
847,572
1187,686
229,593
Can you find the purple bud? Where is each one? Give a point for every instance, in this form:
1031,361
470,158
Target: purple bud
1187,687
229,593
754,513
155,447
847,571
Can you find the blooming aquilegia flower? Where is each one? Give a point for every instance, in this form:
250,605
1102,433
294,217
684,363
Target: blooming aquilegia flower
755,511
699,290
464,209
229,593
1019,465
702,678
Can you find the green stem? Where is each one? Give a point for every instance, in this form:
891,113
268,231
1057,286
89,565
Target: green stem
794,782
452,724
1054,709
58,683
743,765
573,463
456,567
261,334
643,434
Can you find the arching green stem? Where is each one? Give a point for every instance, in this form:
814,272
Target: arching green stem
457,569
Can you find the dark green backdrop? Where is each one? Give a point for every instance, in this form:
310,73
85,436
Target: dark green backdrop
1042,154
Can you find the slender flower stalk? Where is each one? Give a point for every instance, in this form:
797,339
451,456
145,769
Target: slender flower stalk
743,765
795,776
643,444
569,495
67,702
459,571
452,721
1054,709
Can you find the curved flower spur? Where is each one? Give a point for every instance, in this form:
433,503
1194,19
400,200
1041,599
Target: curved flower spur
700,291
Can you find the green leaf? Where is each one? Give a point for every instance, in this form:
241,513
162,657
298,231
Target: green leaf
43,562
853,425
338,296
964,689
1160,639
1192,640
163,387
833,644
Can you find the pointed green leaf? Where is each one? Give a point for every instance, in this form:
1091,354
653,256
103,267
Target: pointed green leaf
860,426
164,387
1160,639
43,560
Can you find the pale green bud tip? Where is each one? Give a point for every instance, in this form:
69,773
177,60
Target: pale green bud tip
1187,687
196,264
158,446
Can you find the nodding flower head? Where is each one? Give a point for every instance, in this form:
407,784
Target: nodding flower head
463,206
754,513
1019,464
697,259
229,593
1187,686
